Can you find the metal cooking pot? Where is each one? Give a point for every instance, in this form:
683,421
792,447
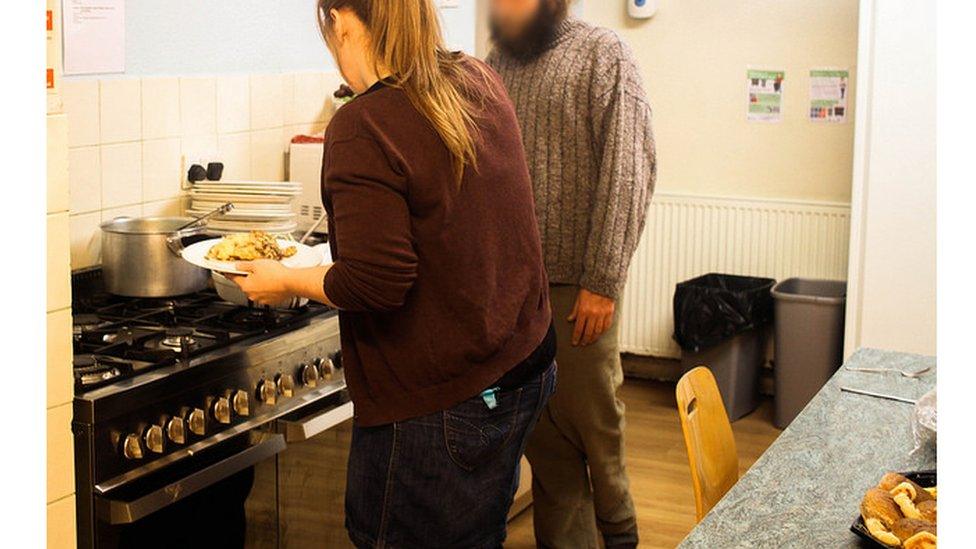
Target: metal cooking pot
141,257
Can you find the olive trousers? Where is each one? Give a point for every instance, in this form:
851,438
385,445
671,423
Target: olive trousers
580,488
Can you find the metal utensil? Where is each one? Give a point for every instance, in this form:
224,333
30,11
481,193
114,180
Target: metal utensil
309,232
217,211
904,373
877,395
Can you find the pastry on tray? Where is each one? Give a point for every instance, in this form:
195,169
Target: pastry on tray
900,513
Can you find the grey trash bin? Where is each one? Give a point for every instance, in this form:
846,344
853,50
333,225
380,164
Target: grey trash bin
736,364
809,341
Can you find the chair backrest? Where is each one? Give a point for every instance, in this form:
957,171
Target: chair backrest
708,438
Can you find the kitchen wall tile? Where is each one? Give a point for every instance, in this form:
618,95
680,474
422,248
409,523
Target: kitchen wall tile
85,179
59,353
310,95
120,103
61,524
267,101
121,174
198,106
60,453
172,207
288,98
198,149
233,104
86,240
57,163
161,174
58,266
160,108
234,150
267,155
81,106
135,210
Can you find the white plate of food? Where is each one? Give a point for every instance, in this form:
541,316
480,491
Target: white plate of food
223,254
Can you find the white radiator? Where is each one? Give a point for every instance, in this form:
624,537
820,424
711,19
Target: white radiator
686,236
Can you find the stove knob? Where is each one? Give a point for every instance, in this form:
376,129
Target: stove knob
310,375
175,430
221,410
197,420
242,403
327,368
132,447
154,439
286,383
267,392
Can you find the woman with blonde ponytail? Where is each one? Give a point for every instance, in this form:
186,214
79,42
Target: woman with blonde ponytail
446,332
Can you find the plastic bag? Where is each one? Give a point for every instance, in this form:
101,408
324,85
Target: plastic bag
715,307
924,421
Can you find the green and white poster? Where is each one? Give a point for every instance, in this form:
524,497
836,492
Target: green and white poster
765,95
828,95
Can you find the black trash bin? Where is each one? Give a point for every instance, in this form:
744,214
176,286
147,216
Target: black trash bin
721,321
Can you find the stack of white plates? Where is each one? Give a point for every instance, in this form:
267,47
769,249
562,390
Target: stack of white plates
258,206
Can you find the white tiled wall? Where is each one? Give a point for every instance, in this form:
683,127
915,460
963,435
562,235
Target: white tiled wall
60,468
131,140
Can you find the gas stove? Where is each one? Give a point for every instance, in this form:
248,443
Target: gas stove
174,395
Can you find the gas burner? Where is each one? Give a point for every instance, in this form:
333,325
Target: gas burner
83,322
92,370
179,339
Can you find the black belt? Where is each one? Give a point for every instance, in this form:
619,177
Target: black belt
534,365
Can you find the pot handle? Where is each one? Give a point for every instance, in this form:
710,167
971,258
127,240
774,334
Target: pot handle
174,241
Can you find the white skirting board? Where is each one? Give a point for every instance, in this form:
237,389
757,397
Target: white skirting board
688,235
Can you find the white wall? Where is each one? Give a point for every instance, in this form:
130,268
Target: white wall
693,56
892,292
181,37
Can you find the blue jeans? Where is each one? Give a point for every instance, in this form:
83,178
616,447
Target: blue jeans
446,479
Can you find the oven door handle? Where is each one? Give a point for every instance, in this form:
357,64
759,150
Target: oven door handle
314,424
116,511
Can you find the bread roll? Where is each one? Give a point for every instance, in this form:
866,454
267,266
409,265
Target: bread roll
921,540
907,527
892,480
878,504
928,511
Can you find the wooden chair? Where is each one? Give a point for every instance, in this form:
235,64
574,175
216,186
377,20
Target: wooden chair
708,438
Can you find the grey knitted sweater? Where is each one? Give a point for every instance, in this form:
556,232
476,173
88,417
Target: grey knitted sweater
586,127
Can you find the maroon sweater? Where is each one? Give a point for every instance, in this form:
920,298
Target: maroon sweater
441,286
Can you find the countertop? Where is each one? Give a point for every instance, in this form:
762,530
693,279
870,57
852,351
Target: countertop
804,491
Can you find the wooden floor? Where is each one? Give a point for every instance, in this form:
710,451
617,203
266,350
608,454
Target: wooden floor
658,465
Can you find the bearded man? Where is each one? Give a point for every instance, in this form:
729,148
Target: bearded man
586,128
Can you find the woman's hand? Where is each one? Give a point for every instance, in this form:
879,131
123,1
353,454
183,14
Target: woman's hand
267,282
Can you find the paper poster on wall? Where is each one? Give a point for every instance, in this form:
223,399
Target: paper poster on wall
765,95
828,95
94,36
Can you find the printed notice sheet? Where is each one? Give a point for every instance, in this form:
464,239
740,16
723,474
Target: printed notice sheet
94,36
828,95
765,95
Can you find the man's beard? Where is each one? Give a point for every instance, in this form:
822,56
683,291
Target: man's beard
535,38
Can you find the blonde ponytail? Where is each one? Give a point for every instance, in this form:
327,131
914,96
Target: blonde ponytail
405,38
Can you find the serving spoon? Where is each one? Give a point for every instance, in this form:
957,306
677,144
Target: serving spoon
904,373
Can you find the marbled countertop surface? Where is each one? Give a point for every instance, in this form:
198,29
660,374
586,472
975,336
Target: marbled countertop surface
806,489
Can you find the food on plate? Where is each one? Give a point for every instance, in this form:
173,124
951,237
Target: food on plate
249,247
900,513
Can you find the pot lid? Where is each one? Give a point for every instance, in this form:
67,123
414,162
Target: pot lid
147,225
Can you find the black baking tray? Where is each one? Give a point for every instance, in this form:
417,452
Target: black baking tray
925,479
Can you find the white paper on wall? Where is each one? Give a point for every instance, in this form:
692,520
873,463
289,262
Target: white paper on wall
828,95
94,36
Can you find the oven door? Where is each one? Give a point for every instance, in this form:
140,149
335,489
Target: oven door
308,481
193,500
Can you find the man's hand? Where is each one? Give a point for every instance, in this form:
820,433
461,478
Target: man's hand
266,282
593,315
